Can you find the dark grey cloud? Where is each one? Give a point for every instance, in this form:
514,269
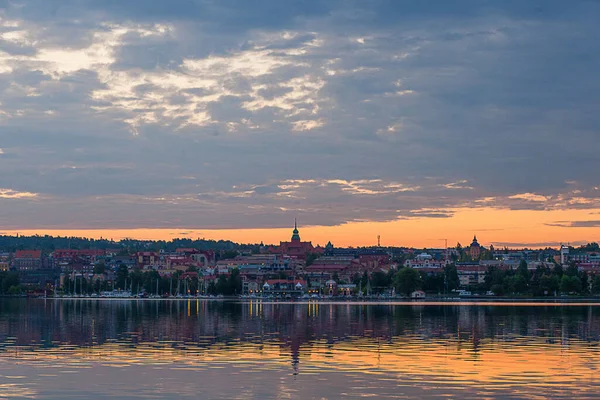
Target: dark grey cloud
538,245
217,113
576,224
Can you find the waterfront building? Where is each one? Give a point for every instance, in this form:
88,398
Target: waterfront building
284,287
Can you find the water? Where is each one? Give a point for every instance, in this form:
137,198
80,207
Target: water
161,349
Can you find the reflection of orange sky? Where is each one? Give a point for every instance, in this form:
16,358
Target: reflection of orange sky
490,363
490,225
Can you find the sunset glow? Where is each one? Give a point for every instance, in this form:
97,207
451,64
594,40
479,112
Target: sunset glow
499,227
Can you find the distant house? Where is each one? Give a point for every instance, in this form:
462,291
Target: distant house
4,266
284,286
27,260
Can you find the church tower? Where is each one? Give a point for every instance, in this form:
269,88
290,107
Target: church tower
475,249
295,234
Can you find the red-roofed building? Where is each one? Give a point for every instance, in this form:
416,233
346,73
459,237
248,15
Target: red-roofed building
202,257
25,260
28,254
296,247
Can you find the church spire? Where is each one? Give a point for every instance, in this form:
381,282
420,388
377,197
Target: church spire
295,234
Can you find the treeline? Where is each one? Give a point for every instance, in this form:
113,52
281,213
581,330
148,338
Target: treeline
152,283
9,283
541,281
48,244
406,280
522,281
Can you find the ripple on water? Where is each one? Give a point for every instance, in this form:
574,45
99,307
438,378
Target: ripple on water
232,350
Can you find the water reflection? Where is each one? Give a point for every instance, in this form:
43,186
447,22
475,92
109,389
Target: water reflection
178,349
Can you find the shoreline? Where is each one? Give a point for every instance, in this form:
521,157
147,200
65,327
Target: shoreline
397,301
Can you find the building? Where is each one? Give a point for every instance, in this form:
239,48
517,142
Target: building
471,273
73,254
284,287
204,258
475,249
373,258
425,260
564,254
149,258
296,247
26,260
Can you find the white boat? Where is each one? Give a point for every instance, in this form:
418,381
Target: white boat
120,294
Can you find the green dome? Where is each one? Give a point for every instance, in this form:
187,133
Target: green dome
296,234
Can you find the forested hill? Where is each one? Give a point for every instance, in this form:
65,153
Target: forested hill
50,243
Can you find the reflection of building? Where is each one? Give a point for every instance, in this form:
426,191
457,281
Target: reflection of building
296,247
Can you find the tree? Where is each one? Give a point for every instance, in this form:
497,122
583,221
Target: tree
570,284
497,289
407,280
310,259
335,277
379,281
558,270
137,280
596,284
222,286
235,282
228,254
548,284
122,275
99,269
572,269
10,280
211,288
522,270
452,281
585,283
518,284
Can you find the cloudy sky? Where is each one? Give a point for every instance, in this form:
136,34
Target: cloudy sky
415,120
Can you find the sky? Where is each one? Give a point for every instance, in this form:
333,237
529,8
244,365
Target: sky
416,121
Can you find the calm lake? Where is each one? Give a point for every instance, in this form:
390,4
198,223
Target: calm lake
201,349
